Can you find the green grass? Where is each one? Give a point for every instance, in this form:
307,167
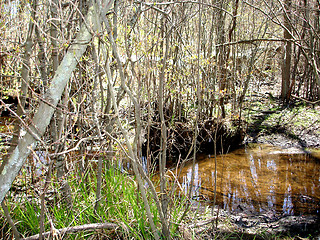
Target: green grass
120,203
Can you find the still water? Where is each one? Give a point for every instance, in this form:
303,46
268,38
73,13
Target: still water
257,179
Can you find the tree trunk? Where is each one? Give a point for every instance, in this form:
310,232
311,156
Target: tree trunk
163,140
222,57
46,109
286,68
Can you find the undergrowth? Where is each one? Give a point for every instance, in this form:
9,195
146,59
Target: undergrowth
120,203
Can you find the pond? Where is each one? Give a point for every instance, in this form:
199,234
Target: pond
257,179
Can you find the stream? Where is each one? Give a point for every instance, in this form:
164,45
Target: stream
257,179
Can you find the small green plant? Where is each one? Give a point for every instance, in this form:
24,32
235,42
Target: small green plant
28,223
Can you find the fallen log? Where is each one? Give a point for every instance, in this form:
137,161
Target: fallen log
60,232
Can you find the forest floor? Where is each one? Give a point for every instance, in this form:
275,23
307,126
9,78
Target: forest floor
293,126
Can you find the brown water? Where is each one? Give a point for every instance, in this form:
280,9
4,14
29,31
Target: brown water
257,179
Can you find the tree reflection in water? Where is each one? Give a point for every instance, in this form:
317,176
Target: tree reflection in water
258,178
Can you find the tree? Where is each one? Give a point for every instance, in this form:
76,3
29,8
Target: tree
46,109
286,68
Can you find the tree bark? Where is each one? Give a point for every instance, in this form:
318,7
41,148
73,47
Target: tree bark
222,57
285,86
46,109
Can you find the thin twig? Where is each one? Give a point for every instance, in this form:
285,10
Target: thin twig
76,147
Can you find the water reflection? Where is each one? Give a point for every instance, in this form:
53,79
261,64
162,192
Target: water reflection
257,180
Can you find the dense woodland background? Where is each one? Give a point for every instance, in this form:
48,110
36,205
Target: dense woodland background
98,82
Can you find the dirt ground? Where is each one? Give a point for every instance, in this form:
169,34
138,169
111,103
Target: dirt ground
247,226
296,125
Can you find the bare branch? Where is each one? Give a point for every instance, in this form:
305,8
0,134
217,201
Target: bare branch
85,227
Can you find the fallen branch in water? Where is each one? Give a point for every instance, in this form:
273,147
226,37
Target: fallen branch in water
60,232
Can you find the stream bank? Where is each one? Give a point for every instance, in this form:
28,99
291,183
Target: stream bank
247,226
294,129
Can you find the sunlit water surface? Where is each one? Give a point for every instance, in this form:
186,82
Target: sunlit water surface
257,179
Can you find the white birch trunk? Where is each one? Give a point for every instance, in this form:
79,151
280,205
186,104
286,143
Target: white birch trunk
46,109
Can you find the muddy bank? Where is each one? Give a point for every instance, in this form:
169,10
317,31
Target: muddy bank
214,135
244,225
297,126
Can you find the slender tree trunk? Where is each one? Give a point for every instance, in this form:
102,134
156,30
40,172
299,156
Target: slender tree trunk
197,101
163,140
42,60
6,212
286,68
222,54
94,107
131,153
